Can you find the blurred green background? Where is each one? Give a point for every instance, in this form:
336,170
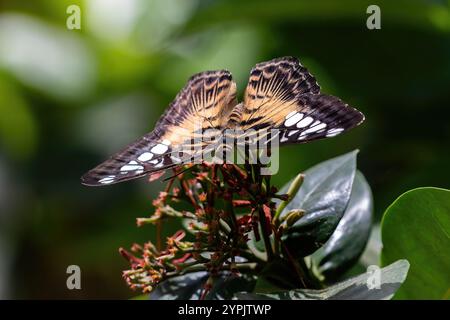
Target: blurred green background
70,98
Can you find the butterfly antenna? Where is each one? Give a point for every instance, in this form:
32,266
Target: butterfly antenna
177,174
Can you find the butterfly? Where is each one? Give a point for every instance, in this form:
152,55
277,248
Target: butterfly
281,94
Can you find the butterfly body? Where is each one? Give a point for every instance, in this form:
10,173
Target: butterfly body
281,97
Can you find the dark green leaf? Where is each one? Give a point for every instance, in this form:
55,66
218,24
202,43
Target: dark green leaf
357,288
324,195
417,227
265,286
279,274
190,286
349,239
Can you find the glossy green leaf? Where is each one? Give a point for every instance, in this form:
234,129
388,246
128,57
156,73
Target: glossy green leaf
362,287
324,195
277,274
349,239
190,286
417,227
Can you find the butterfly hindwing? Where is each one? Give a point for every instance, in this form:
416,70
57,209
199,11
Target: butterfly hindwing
204,103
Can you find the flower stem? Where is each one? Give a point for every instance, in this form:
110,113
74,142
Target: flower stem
265,235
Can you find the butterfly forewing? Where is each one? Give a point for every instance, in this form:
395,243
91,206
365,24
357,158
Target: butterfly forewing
204,103
319,116
281,94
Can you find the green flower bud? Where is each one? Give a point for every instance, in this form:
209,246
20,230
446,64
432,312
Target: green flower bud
293,216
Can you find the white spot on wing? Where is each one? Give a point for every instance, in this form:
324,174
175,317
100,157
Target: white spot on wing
293,119
292,132
145,156
315,128
159,148
175,159
107,179
291,114
131,167
305,122
334,132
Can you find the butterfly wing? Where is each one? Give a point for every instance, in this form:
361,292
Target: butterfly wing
204,103
281,94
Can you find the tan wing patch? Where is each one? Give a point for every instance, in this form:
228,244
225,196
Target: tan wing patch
205,103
